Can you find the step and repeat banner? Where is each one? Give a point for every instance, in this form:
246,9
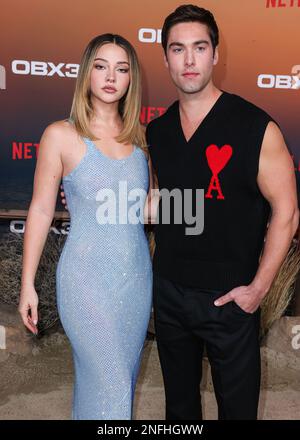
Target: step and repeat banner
41,47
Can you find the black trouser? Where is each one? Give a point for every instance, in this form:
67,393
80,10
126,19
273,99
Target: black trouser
186,319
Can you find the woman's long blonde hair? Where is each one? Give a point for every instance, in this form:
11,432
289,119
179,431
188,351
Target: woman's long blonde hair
130,104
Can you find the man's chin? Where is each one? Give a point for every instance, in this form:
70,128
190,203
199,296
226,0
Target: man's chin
191,90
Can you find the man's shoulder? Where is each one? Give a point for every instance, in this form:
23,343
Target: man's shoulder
246,107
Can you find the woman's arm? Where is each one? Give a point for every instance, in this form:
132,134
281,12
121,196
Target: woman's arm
47,177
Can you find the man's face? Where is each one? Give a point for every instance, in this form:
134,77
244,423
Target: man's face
190,58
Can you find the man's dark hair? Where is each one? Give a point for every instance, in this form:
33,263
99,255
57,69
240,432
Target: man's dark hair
190,13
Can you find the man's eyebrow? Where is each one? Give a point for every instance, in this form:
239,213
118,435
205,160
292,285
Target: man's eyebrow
177,43
119,62
201,42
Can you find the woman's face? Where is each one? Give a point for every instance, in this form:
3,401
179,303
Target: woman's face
110,75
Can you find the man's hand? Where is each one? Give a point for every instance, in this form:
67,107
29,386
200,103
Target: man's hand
63,200
248,298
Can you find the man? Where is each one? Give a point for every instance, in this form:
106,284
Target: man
208,287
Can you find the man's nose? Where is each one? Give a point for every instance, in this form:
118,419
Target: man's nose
189,58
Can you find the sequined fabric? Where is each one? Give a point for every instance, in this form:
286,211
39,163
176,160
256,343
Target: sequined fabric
104,287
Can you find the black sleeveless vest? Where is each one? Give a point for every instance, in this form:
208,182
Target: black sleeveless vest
222,158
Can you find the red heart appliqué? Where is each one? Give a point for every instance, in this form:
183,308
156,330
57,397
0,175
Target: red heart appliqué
218,158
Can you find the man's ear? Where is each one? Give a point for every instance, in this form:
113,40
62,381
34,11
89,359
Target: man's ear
166,61
216,56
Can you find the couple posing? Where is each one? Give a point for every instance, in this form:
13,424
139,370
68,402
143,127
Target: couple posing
207,288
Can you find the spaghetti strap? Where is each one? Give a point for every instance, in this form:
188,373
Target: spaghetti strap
88,143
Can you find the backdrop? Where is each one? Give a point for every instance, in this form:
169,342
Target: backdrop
41,46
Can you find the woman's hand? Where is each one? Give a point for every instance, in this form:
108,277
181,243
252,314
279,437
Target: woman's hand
29,302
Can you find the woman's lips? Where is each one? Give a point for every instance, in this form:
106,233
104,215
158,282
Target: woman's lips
109,89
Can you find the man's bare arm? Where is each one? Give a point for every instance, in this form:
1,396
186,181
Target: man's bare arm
276,180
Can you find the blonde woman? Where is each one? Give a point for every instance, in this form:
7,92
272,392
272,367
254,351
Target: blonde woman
104,275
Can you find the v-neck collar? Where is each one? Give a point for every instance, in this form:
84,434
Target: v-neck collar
202,123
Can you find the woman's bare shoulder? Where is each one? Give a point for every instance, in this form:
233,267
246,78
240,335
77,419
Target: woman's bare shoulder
60,130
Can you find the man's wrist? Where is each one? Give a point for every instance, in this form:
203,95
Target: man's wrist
261,287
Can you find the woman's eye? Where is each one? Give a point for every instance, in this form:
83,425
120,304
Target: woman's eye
123,70
99,67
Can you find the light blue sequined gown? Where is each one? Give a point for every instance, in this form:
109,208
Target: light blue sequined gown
104,286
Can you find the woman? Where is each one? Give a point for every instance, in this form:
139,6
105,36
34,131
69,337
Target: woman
104,274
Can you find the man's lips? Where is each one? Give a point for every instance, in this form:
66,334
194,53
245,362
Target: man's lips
190,74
